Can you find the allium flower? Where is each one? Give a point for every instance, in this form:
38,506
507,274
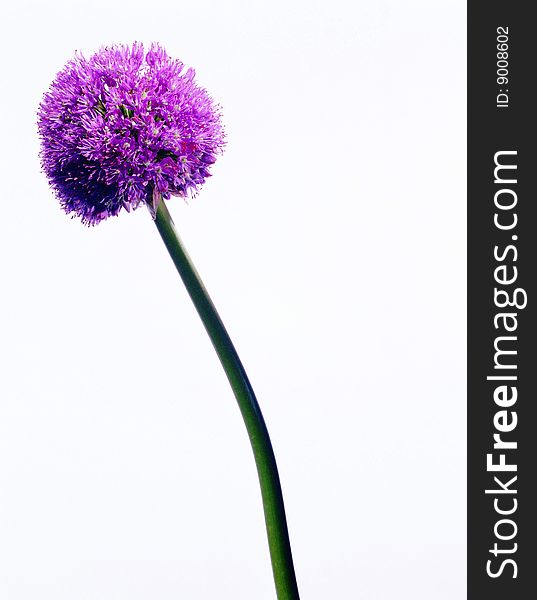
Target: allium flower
126,127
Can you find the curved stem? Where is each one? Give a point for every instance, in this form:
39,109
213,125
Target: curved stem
278,536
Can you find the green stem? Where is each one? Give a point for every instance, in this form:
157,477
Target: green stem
271,491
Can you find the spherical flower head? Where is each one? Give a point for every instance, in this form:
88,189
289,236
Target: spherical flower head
125,128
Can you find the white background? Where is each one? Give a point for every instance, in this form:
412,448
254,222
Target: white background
332,239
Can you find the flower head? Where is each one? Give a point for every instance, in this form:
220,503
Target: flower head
126,127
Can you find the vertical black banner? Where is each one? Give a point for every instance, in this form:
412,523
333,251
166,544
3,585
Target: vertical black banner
502,332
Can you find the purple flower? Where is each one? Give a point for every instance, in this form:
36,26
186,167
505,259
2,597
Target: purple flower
124,128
